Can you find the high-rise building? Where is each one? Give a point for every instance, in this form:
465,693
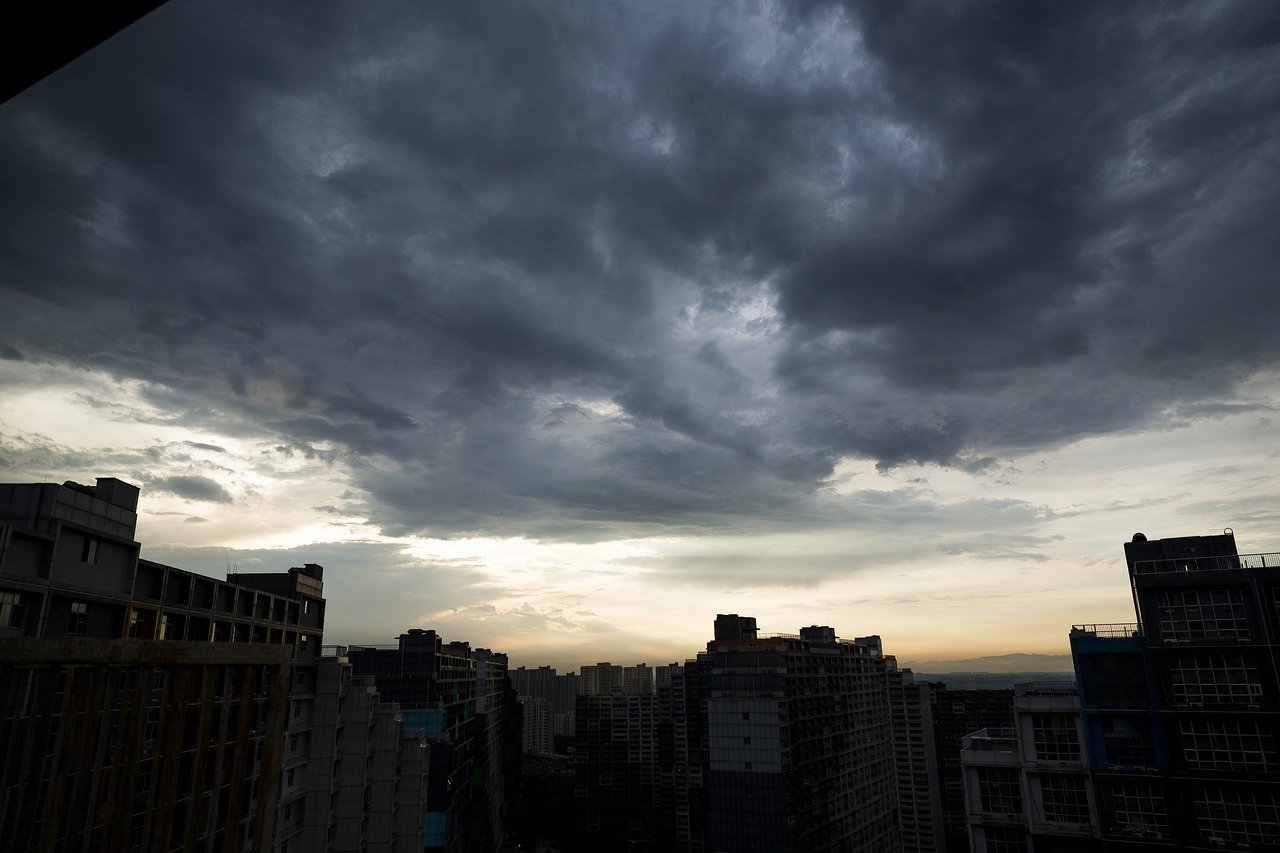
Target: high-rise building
683,756
1172,744
662,675
194,684
1027,788
800,743
535,689
564,704
637,680
1182,708
915,760
616,768
956,713
462,700
601,679
366,782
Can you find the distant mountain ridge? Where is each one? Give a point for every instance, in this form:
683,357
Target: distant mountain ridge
1015,662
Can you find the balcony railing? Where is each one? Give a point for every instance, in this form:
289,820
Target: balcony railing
991,740
1206,564
1109,629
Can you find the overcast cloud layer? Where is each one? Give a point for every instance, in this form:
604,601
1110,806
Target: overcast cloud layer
598,271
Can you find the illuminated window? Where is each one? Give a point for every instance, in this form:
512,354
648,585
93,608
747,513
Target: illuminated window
79,621
10,610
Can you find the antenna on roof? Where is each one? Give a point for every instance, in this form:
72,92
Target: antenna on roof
231,570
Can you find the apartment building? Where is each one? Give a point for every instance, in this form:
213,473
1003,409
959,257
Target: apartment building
800,743
1182,708
1028,788
615,770
1173,742
462,701
915,760
956,712
165,698
366,782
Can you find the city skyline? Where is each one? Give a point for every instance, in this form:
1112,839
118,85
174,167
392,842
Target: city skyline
561,329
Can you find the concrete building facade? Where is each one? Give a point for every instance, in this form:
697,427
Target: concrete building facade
461,699
1172,741
70,569
800,743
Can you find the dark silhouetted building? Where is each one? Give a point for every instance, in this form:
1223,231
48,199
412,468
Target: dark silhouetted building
147,707
461,699
956,713
1172,741
616,769
1182,709
800,743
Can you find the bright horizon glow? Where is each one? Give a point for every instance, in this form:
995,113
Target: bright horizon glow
570,604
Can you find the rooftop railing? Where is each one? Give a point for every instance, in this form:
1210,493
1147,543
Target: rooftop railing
1045,688
1206,564
993,739
1109,629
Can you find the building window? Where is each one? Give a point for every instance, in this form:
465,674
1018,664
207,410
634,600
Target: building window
1135,809
1055,737
746,741
999,791
1005,839
293,743
289,777
1202,614
10,610
302,642
302,677
1237,815
79,621
1065,800
1128,742
89,551
1119,680
1228,744
1215,678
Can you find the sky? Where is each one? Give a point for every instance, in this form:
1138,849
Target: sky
561,327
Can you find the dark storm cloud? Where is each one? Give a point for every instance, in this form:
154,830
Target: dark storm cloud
586,270
190,487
